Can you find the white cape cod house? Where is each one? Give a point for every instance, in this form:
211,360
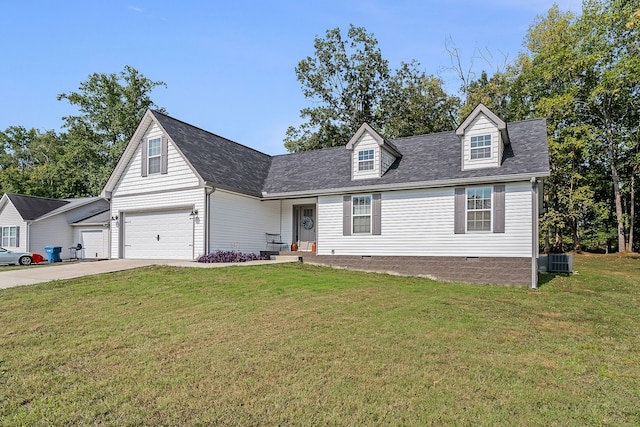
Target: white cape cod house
460,205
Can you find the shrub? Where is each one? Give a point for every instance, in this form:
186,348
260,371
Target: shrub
230,256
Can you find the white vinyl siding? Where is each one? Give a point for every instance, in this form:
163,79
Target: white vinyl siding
420,223
481,127
52,231
240,222
9,217
180,175
365,143
160,201
58,231
387,161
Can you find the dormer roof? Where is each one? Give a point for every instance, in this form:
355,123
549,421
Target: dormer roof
376,136
482,109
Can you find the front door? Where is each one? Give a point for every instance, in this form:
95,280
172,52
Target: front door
306,226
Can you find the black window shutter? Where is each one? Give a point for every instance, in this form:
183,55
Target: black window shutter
144,153
498,208
17,236
459,211
164,157
376,226
346,216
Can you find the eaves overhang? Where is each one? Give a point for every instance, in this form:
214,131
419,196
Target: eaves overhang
406,185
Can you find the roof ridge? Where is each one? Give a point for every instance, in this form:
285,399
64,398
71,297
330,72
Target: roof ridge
37,197
309,151
209,132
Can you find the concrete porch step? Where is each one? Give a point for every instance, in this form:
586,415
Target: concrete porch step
290,258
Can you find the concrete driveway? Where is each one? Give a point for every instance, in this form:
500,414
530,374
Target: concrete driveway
69,270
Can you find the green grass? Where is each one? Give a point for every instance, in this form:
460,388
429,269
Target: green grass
306,345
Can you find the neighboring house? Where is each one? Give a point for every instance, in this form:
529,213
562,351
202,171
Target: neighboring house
29,223
460,205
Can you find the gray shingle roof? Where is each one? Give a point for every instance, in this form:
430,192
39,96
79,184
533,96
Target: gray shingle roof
32,207
225,163
425,158
99,218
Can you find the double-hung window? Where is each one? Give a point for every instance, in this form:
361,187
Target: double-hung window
9,237
365,160
480,147
154,152
479,209
361,217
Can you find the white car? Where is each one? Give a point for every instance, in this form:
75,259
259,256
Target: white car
22,258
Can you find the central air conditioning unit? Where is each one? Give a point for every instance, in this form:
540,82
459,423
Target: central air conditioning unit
560,263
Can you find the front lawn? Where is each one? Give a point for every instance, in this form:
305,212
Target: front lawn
295,344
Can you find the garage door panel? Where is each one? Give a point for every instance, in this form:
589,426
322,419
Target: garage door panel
92,244
158,235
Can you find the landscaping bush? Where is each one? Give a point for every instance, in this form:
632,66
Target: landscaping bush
230,256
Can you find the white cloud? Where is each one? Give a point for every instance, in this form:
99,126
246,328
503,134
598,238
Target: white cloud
135,9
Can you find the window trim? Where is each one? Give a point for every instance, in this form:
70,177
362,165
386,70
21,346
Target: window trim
485,147
360,215
366,157
155,156
467,192
9,237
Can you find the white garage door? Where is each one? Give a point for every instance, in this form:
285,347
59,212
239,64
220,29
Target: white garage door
158,235
92,244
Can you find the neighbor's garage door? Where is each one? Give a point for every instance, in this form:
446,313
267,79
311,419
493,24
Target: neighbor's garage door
92,244
158,235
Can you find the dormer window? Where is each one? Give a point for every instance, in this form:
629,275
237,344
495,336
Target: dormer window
371,154
483,137
154,153
480,147
365,160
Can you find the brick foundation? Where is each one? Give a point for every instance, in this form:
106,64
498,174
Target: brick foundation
497,270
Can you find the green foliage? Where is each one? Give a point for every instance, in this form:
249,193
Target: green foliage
415,103
346,77
78,162
499,93
351,83
111,107
581,73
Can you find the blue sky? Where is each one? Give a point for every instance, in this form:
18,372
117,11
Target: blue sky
229,66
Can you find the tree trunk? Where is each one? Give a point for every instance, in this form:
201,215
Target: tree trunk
622,243
559,246
632,221
547,241
577,245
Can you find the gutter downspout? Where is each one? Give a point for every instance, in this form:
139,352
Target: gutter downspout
28,237
207,223
534,233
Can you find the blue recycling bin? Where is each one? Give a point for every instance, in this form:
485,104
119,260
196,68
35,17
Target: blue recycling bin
53,253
